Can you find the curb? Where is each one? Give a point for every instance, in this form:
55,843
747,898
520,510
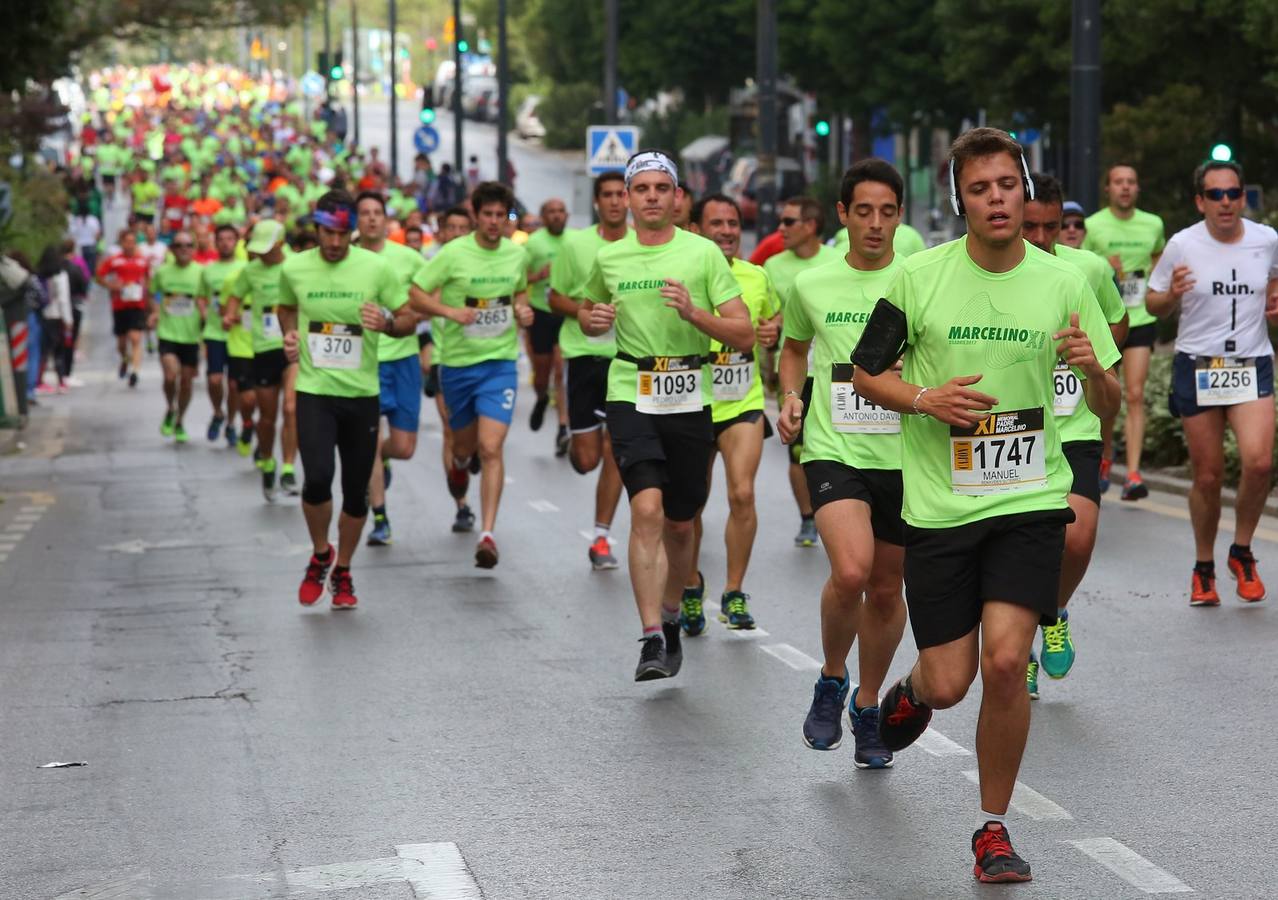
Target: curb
1171,483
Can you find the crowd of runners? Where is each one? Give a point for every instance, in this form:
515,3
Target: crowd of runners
949,411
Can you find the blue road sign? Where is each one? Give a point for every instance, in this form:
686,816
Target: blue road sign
609,146
426,139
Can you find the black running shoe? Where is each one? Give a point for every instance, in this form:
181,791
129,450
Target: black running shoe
475,466
674,647
822,729
901,721
652,659
870,751
133,379
562,442
430,385
996,861
465,521
539,412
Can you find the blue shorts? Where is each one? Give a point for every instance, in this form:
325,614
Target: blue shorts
1182,401
401,381
215,354
485,389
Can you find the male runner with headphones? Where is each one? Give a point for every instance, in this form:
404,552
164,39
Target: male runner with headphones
981,322
1221,273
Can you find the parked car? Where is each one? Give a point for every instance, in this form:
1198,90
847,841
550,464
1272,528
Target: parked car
479,98
527,125
742,185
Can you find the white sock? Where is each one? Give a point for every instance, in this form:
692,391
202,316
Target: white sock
1000,818
487,534
601,530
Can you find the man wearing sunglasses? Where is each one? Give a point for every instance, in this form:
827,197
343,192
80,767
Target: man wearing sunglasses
176,305
802,222
1073,225
1222,274
1131,239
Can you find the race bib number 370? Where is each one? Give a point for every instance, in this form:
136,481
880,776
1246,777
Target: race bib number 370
668,384
334,345
1002,453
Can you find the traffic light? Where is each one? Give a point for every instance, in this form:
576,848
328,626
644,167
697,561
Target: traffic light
822,128
337,72
427,115
463,46
1222,152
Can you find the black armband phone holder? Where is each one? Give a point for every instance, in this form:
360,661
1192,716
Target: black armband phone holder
883,340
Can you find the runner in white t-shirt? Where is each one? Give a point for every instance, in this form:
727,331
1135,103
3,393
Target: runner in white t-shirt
1222,273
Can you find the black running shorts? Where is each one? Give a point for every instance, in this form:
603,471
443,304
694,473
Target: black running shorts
1084,460
880,488
670,452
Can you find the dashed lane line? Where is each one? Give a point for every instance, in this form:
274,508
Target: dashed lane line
1028,802
543,506
1130,866
933,742
792,656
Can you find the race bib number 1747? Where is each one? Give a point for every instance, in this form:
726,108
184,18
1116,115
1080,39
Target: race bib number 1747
1002,453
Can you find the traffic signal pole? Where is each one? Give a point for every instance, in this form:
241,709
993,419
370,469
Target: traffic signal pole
394,97
610,63
766,105
503,90
459,169
1084,105
355,66
328,54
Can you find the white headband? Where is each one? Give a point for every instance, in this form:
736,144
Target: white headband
651,161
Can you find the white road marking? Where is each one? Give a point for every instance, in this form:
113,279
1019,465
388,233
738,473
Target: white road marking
7,546
19,526
543,506
137,545
937,744
1130,866
34,509
1028,802
441,872
745,634
792,656
509,480
27,517
431,870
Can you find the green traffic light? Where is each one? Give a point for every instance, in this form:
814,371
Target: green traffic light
426,116
1222,153
463,46
822,128
336,73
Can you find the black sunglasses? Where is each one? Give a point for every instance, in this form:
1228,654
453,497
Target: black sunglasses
787,221
182,246
1073,223
1218,194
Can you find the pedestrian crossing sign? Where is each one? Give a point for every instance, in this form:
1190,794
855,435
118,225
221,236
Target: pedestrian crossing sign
608,147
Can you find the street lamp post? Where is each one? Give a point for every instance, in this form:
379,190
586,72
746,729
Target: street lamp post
458,169
610,63
503,89
355,66
1084,105
766,107
394,98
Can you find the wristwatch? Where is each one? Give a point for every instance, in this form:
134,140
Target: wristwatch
388,320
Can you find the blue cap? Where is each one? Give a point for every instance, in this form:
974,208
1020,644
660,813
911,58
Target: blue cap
1072,206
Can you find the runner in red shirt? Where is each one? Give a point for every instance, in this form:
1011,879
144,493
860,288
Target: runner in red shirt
126,275
173,210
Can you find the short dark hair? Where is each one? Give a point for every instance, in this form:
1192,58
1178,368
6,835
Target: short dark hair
872,169
687,189
413,229
980,142
809,210
699,208
1109,170
1213,165
1047,189
370,195
457,210
607,177
487,192
226,226
332,201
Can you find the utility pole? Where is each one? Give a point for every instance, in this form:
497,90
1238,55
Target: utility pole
459,170
394,99
610,63
306,43
328,53
766,106
1084,105
355,66
503,90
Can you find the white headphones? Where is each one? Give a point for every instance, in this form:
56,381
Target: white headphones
956,202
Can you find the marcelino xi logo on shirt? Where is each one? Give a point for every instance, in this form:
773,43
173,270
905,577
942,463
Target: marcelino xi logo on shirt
1003,339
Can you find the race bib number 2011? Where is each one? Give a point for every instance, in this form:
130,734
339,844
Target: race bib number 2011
668,384
1002,453
732,375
